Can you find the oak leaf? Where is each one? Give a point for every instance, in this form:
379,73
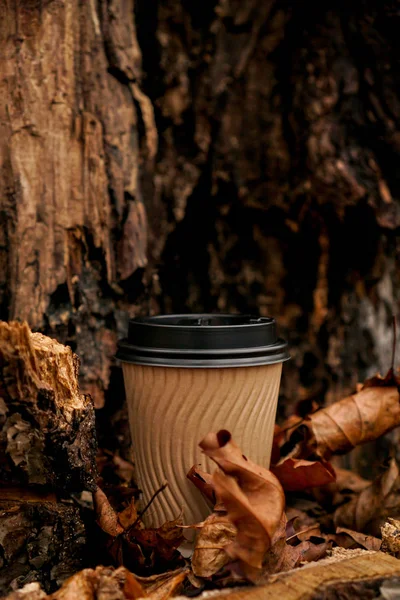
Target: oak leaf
253,498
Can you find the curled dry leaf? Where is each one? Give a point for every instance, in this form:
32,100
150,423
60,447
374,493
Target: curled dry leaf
360,418
253,498
106,516
209,555
370,508
296,474
203,482
282,433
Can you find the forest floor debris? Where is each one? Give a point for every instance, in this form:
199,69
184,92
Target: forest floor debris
267,523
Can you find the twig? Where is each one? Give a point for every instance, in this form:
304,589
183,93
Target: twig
150,502
306,530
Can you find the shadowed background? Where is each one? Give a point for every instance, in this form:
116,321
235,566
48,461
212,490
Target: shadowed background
203,156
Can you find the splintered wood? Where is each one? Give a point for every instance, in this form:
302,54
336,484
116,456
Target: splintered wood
351,574
47,451
46,424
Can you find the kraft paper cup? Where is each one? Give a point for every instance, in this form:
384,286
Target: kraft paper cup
187,375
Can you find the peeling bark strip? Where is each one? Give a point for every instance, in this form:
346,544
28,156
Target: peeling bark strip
47,431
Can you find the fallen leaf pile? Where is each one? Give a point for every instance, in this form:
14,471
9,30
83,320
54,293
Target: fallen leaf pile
265,521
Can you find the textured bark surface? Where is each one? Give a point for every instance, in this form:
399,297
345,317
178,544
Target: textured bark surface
47,431
47,451
40,540
73,224
274,188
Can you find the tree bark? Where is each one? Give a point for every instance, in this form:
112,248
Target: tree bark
73,223
274,188
47,451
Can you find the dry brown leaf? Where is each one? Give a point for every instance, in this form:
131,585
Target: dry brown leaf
305,512
349,481
297,474
283,556
128,516
164,585
171,532
370,508
106,516
209,555
131,586
203,482
102,582
347,538
302,534
145,550
253,498
360,418
346,486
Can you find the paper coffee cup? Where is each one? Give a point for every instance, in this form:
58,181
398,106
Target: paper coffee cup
188,375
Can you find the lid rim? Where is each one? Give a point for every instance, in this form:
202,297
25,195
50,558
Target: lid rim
207,364
202,340
254,321
270,349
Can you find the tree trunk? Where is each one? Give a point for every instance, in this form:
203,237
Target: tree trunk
274,188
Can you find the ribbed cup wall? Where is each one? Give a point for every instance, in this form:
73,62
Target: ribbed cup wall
171,409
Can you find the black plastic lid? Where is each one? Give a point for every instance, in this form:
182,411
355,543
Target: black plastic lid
202,340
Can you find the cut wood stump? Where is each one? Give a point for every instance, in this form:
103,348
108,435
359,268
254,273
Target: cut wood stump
348,575
47,451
